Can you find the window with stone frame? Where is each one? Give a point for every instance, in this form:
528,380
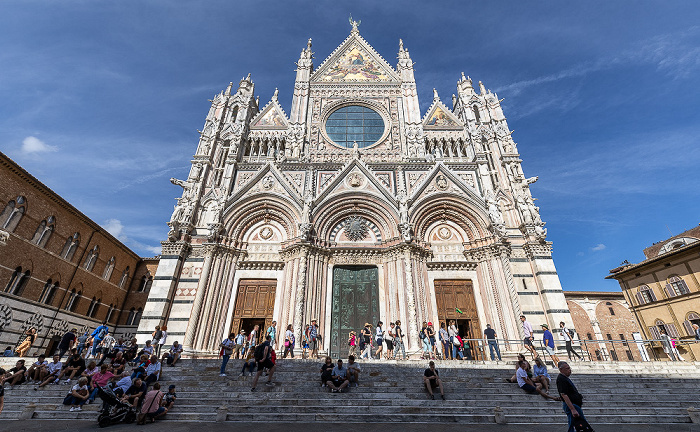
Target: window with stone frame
669,328
690,319
130,318
94,306
146,282
49,292
12,213
645,295
137,317
124,278
610,308
73,300
110,312
109,268
70,247
91,258
676,286
43,231
18,281
475,109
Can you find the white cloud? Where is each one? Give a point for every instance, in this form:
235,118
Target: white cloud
598,247
32,145
115,227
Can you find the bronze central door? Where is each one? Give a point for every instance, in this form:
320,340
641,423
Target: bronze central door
355,302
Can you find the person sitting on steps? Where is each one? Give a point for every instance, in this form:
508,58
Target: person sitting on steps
431,380
339,378
528,385
354,370
326,371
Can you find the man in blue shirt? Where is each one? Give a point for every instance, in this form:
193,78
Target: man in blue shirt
97,336
548,342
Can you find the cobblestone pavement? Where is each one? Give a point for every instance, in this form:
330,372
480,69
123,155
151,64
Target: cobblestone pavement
165,426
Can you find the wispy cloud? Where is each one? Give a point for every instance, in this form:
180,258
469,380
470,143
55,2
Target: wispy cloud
116,228
33,145
598,247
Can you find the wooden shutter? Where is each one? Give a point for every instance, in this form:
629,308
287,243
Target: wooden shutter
640,299
670,291
688,326
672,330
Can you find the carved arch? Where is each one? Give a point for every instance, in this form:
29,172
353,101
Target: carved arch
240,217
439,207
330,213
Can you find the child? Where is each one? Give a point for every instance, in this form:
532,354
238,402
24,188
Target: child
352,342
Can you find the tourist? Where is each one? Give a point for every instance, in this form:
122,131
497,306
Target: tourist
8,352
339,378
458,346
27,342
272,332
131,349
140,369
288,341
305,341
527,385
433,343
52,371
134,394
82,340
97,336
514,378
263,358
572,400
313,339
239,347
667,345
253,338
492,342
389,341
326,371
14,376
170,397
398,341
528,336
379,339
67,342
445,341
118,364
156,335
352,343
147,350
367,341
78,395
37,371
100,379
354,370
152,370
152,402
163,339
106,346
696,330
567,336
425,340
90,370
122,384
541,375
548,342
75,365
226,350
431,380
110,348
249,364
173,355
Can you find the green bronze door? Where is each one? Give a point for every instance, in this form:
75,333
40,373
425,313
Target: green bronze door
355,302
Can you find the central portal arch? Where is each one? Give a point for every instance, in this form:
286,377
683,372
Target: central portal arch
355,302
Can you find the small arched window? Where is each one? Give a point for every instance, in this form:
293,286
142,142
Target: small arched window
131,317
49,293
676,286
18,281
70,247
91,258
690,319
94,306
110,312
234,114
124,278
12,214
137,317
668,328
44,231
645,295
146,282
109,268
475,109
71,299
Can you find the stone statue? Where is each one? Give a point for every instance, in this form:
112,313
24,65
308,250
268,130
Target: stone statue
305,231
403,207
524,210
540,232
494,211
306,212
405,228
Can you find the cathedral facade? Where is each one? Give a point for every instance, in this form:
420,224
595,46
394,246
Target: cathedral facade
355,207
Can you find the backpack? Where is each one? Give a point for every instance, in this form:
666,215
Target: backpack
572,333
260,352
102,333
421,335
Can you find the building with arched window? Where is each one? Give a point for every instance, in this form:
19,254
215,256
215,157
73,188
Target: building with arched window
354,207
663,291
57,267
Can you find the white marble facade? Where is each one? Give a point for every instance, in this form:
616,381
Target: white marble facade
427,196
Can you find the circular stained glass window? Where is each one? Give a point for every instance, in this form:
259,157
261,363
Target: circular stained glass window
354,124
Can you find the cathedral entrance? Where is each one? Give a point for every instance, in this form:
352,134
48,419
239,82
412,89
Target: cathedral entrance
255,302
453,297
355,302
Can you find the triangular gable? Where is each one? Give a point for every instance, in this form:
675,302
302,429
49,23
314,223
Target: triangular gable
259,183
374,185
440,117
441,179
354,61
272,116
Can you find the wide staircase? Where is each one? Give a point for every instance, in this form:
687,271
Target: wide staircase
652,392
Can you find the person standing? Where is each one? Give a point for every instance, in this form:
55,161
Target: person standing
305,341
566,336
453,332
239,349
548,342
253,338
313,339
528,336
155,339
367,342
398,341
431,338
696,330
163,339
445,339
389,341
263,358
668,345
27,343
272,332
492,341
226,351
288,341
572,400
379,339
67,342
352,344
97,336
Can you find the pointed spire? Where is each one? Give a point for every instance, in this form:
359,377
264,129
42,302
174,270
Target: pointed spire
248,77
482,89
454,100
228,89
400,44
308,44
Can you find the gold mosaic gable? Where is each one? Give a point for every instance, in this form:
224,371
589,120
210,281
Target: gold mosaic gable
273,118
440,118
356,64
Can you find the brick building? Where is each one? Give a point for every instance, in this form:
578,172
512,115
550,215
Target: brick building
59,269
663,291
605,316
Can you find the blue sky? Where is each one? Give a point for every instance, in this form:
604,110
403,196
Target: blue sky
101,101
